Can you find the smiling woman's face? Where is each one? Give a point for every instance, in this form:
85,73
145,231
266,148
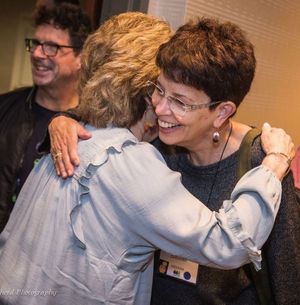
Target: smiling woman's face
191,128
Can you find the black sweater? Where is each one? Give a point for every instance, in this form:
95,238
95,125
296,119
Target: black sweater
235,287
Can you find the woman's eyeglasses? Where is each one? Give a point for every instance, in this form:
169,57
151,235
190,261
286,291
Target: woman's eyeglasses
176,105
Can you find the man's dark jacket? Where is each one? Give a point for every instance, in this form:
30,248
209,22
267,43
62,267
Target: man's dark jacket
16,126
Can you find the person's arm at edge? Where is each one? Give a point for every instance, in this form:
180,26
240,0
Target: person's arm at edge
65,131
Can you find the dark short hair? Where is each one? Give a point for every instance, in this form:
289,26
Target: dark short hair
211,56
66,16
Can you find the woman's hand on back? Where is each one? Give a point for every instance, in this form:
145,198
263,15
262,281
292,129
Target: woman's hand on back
64,134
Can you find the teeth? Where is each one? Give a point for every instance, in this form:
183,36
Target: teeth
166,124
41,68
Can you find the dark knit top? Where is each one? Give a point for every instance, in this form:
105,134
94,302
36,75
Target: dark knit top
235,287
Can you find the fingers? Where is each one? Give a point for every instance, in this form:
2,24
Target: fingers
56,156
71,144
60,156
266,127
63,164
71,157
82,133
277,140
279,149
58,149
64,134
59,164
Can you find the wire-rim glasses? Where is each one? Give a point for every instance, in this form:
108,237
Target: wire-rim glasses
49,48
176,105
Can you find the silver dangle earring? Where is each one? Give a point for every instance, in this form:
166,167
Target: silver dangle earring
216,137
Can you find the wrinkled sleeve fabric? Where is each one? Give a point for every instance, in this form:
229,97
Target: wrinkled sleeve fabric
163,214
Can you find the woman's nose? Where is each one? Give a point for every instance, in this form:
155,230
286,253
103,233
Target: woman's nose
161,105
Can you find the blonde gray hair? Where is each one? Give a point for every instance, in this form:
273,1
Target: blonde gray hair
117,61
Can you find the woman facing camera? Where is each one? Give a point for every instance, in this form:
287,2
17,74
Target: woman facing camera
207,68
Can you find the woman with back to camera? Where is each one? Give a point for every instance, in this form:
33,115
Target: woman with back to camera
194,97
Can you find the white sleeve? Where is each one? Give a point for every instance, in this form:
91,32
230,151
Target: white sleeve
164,214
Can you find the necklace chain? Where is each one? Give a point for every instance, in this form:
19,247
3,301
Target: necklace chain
219,162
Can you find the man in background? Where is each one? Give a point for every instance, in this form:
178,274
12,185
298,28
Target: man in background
60,32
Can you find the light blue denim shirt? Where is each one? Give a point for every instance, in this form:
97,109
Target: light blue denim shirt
90,239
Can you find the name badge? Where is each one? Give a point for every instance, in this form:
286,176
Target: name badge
178,267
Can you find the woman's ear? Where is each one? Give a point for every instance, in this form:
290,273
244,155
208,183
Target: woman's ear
224,111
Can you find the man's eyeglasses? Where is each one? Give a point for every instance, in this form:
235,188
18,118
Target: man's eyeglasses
176,105
49,49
